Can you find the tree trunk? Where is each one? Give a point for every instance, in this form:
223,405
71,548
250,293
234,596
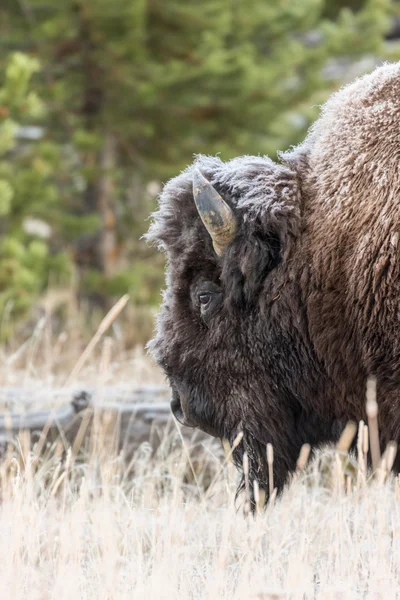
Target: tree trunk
95,251
105,203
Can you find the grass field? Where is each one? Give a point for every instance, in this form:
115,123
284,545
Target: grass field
86,532
74,530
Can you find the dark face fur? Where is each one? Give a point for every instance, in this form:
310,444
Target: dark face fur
231,334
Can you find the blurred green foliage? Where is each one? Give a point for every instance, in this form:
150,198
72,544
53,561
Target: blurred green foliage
27,193
126,92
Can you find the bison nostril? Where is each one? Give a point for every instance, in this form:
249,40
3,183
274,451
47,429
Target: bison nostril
178,413
176,409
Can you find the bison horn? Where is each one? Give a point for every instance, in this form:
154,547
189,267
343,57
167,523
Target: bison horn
217,216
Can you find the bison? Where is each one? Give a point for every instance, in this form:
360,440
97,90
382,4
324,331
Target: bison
283,283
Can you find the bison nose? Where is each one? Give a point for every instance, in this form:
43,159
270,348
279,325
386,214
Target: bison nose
178,413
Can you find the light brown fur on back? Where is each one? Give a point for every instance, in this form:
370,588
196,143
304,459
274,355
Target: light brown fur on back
350,171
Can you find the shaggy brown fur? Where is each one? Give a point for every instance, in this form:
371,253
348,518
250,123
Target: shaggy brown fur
304,303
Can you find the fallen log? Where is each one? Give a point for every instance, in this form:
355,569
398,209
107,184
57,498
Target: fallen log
22,400
122,419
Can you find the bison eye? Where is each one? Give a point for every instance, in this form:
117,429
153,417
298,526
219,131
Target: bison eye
204,299
207,299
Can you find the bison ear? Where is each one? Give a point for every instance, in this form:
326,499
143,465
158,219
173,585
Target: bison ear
268,208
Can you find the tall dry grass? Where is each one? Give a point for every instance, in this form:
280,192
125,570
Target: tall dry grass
86,531
74,355
90,528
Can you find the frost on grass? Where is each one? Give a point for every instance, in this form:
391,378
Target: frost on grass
87,531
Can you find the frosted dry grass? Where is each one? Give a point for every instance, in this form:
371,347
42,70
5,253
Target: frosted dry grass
84,532
132,368
48,360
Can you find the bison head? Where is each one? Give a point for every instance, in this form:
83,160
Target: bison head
232,333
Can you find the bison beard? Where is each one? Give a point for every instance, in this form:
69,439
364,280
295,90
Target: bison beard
283,283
